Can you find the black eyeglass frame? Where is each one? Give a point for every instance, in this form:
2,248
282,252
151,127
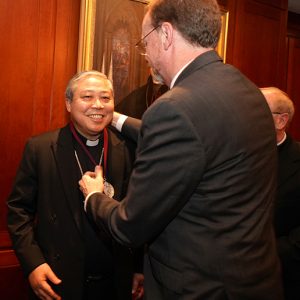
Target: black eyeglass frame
141,44
278,113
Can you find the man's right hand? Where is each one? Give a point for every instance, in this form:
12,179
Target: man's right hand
38,280
92,182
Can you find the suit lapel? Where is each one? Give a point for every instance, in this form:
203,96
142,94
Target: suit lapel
68,170
115,164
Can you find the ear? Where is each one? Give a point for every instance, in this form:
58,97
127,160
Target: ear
167,33
68,105
282,121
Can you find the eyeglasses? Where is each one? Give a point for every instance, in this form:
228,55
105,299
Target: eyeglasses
142,44
278,113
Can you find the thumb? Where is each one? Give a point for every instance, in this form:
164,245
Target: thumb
98,171
53,278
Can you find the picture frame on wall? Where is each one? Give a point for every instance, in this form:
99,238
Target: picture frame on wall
222,44
109,30
143,1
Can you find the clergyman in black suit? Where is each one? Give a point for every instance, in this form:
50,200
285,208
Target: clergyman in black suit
204,180
136,103
64,255
287,205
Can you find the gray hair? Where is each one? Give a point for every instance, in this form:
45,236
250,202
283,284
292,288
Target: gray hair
72,85
281,101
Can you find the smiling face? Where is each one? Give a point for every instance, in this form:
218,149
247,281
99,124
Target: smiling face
92,106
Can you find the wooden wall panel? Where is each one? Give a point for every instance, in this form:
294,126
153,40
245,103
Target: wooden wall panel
293,83
13,285
275,3
293,70
38,55
258,49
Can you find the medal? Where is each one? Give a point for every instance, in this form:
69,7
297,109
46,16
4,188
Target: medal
108,189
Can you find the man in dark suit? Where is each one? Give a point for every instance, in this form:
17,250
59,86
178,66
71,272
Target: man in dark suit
287,205
204,179
63,254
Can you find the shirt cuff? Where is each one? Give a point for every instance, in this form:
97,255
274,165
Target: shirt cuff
87,198
120,122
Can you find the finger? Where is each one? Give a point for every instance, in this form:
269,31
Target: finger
140,293
85,179
46,292
81,184
134,286
137,285
89,173
47,288
53,278
42,293
98,171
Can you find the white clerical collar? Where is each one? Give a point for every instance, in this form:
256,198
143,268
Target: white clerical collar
178,73
92,143
284,138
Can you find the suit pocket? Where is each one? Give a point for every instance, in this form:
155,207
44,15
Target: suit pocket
166,276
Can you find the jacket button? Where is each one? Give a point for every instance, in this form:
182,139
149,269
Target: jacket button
56,256
53,218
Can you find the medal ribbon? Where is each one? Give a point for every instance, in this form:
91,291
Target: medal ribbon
105,146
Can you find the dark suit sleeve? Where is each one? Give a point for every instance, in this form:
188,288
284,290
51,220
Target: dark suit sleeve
289,247
131,128
21,213
159,186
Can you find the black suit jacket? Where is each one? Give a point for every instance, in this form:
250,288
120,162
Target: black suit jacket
287,215
45,213
202,189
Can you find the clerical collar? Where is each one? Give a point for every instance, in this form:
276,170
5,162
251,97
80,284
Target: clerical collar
92,143
85,141
284,138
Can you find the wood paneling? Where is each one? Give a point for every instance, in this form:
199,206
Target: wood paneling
8,259
293,83
39,40
13,285
293,70
258,49
293,29
283,4
38,55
